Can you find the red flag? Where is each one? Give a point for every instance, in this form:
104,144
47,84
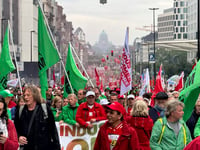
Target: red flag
83,73
179,86
101,87
54,79
195,62
97,77
62,80
77,66
158,86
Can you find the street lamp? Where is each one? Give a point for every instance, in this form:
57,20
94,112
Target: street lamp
2,29
154,41
32,31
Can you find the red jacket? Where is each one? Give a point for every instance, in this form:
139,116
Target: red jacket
128,140
12,140
194,144
143,127
82,115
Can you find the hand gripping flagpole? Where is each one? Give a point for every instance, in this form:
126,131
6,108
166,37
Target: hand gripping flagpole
10,35
82,66
55,46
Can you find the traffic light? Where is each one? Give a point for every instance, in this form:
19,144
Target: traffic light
111,52
103,1
107,57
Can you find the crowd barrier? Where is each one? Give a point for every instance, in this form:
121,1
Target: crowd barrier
76,138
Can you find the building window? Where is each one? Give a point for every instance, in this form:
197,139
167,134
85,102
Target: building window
176,4
179,10
184,10
174,36
35,2
182,16
182,29
176,29
182,4
185,36
184,23
179,36
179,23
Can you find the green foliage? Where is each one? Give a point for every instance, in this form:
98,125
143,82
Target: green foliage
174,62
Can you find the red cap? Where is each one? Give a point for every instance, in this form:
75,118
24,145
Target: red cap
117,89
117,107
120,96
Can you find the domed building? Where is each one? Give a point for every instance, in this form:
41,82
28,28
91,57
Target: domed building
103,45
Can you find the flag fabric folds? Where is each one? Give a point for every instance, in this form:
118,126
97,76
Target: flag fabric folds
158,86
125,75
191,91
6,64
77,80
179,86
54,79
47,53
97,77
145,83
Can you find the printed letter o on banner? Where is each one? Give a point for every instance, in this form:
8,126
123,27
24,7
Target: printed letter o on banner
72,144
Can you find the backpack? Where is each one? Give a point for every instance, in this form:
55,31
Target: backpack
163,129
44,108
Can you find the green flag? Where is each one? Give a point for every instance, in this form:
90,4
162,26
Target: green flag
47,53
77,80
191,91
6,64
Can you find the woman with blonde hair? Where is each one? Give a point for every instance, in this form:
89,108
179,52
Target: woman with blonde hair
56,108
142,123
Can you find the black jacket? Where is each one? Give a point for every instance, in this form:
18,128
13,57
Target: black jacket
43,133
191,122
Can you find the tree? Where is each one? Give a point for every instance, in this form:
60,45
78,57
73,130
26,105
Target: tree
174,62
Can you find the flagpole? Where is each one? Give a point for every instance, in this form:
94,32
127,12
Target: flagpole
82,66
10,33
55,45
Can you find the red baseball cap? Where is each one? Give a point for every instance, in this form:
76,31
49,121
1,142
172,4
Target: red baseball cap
120,96
117,107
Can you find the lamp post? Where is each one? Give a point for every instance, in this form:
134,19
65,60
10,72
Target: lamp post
2,29
154,41
31,40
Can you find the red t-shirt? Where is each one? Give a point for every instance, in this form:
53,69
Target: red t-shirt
113,134
11,104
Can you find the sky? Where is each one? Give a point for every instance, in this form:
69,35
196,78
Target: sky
113,17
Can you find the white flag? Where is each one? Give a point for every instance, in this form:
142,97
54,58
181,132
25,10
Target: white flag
126,75
145,83
12,83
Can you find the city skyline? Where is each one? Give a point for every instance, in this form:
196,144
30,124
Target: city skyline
113,17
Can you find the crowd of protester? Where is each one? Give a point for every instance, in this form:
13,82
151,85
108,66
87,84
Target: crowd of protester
131,122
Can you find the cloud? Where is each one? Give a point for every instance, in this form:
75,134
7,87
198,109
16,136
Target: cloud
112,17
